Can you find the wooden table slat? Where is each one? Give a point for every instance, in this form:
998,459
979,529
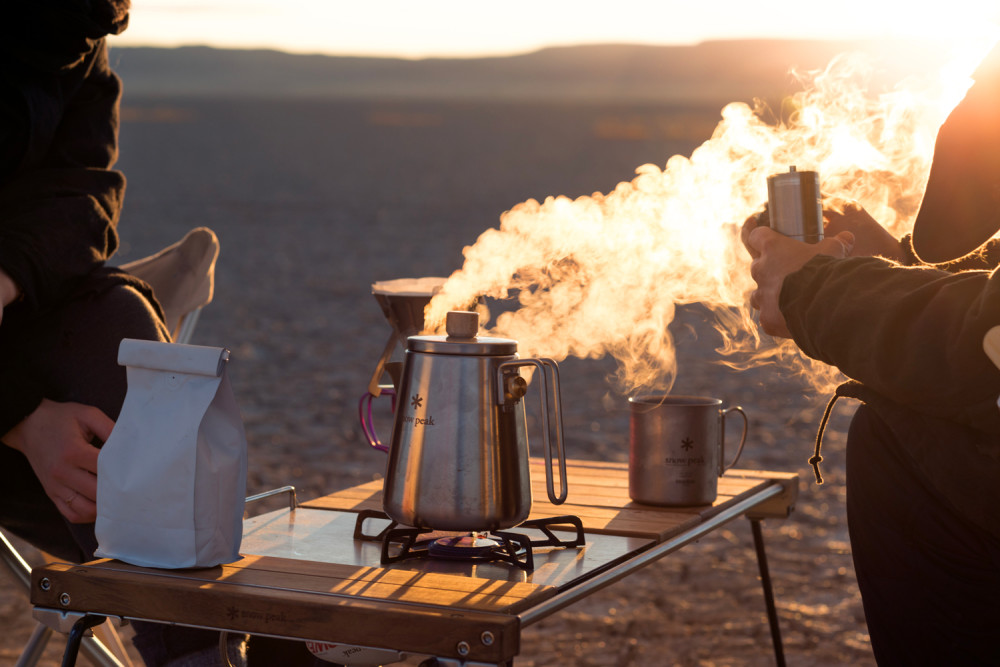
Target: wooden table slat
482,594
598,495
225,602
464,592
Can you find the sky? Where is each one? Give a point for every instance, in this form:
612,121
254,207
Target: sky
453,28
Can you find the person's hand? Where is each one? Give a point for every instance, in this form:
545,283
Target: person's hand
776,256
749,225
9,291
870,238
56,439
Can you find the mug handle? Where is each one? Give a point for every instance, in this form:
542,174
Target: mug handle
743,438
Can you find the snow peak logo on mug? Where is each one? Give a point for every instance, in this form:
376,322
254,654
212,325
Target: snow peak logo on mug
685,461
417,402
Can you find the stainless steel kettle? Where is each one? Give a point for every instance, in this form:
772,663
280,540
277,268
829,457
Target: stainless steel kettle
458,457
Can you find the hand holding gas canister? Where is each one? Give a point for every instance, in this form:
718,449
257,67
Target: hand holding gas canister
870,238
775,257
793,208
794,228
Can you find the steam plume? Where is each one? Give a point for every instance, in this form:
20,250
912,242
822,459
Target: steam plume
603,274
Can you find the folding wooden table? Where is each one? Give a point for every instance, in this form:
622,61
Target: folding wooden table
305,576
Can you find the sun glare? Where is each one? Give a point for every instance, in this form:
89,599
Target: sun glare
452,28
670,236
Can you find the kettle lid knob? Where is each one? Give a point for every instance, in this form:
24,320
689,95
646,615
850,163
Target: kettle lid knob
461,324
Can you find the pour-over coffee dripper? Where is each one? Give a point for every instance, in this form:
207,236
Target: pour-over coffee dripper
402,302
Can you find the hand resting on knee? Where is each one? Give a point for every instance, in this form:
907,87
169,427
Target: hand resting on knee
57,439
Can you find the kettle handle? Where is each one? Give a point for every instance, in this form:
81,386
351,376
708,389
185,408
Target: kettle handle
544,365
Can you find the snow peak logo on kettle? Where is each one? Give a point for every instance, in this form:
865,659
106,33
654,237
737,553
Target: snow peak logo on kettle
416,402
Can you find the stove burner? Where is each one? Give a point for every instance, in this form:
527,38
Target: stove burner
503,546
476,545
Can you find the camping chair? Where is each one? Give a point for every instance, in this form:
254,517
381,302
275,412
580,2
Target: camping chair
182,277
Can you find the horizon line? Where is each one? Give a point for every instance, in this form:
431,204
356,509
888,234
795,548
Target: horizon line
117,43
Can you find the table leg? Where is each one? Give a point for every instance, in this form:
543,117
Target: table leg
33,650
76,636
765,582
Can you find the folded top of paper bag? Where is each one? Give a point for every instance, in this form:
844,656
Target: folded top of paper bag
173,357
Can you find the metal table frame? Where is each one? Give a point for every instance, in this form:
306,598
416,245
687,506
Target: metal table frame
657,552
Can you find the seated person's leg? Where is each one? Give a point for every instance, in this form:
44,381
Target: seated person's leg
75,351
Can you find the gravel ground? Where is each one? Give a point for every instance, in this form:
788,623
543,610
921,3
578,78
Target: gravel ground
315,201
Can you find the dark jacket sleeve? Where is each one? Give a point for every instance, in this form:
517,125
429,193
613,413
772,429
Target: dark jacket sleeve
59,197
60,208
912,334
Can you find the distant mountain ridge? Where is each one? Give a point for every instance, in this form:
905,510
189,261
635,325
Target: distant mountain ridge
708,72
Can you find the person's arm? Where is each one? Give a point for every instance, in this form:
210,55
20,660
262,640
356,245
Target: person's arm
870,238
59,198
59,211
59,205
913,335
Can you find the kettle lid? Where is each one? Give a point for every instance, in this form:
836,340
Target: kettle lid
462,327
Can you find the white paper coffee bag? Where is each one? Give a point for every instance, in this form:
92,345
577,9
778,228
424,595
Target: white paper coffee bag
171,479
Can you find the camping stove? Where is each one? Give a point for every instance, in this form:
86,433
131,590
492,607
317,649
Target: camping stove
401,543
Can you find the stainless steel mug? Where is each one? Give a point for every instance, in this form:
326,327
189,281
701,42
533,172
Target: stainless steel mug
677,449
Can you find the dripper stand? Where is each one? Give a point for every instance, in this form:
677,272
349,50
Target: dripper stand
402,302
